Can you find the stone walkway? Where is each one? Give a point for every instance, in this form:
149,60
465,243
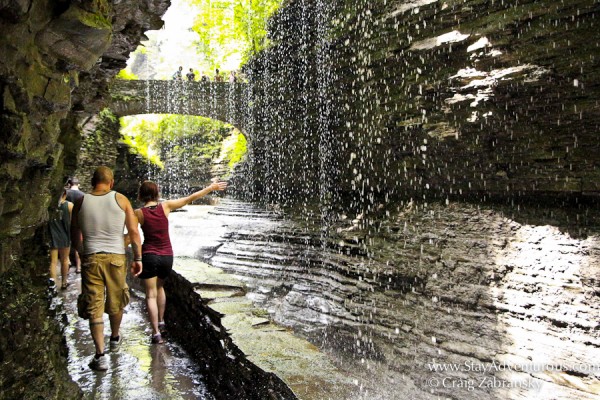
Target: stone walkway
140,370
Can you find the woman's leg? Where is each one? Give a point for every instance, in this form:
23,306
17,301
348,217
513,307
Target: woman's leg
151,292
161,299
64,264
53,261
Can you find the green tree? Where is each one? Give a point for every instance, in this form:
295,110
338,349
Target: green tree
187,148
232,30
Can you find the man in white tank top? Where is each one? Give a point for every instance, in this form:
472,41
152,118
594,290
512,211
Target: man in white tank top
97,234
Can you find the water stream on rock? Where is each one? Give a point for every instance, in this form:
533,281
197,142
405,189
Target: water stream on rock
369,227
381,317
140,370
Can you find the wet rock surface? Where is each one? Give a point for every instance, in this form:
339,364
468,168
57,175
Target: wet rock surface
307,371
229,373
56,61
426,99
451,285
139,370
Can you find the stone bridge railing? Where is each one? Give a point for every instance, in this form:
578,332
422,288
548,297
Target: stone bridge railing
222,101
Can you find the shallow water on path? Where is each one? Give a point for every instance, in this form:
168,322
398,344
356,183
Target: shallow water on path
139,370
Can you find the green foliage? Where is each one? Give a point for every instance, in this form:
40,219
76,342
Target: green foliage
126,75
183,143
232,30
234,148
134,132
107,113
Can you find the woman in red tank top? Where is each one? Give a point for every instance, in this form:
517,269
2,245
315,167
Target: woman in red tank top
157,253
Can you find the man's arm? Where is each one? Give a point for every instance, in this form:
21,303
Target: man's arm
76,237
140,221
131,223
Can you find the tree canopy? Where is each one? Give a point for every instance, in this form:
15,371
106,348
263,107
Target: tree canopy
230,31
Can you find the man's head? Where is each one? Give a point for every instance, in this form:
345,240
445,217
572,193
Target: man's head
74,181
103,175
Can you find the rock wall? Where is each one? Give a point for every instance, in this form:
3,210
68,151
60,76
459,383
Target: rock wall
427,99
395,130
57,60
229,374
101,144
452,285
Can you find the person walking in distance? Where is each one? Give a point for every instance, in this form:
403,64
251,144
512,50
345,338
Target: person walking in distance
218,76
73,195
73,192
60,241
157,253
97,231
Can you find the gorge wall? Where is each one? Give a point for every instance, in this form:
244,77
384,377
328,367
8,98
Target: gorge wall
454,285
57,60
439,161
428,99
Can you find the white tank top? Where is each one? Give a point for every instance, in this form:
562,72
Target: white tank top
102,222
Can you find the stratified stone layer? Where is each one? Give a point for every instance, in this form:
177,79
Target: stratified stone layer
367,101
457,285
56,61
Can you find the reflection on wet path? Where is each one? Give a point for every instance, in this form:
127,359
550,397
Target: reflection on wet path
139,370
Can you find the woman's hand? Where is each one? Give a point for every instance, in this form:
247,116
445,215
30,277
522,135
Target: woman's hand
218,186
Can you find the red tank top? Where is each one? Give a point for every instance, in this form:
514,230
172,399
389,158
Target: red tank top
156,232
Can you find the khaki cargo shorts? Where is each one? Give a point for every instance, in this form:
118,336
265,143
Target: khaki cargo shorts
103,287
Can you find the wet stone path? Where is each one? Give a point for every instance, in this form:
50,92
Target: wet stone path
140,370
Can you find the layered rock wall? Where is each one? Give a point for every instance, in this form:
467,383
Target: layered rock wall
455,286
447,99
228,372
361,106
57,60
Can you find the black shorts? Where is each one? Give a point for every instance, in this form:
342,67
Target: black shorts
155,265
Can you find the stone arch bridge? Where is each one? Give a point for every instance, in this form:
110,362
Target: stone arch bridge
223,101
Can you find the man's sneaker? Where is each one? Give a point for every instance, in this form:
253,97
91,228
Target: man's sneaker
99,363
115,344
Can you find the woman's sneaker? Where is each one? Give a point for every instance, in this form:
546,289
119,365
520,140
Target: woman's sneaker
157,339
99,363
162,329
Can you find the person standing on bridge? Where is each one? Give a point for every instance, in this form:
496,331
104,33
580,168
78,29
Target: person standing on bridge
191,76
177,76
157,253
218,77
97,231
